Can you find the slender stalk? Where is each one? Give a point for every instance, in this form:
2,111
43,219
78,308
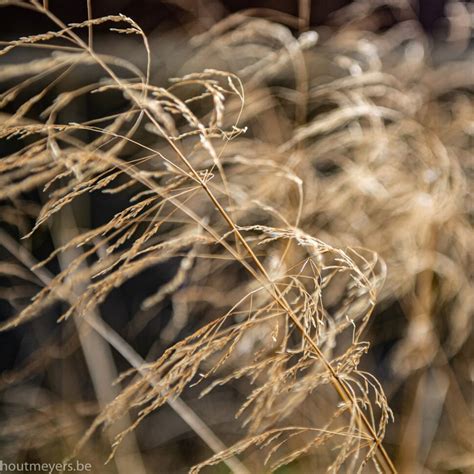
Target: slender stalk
98,356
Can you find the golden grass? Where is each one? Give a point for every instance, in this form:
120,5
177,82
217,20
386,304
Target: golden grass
289,189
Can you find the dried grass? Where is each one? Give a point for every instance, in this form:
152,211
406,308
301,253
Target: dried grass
269,184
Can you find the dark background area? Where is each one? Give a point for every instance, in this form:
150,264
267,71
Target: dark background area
153,14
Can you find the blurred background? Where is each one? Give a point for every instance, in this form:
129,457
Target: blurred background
424,363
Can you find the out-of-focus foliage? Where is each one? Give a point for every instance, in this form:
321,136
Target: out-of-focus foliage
321,179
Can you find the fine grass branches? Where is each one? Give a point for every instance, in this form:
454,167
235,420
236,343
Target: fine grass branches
257,203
